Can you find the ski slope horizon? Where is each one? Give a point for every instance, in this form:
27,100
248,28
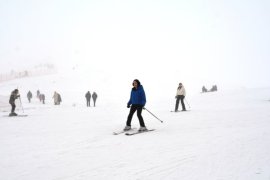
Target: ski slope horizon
72,84
224,135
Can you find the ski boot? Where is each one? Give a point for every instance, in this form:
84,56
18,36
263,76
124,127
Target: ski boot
127,128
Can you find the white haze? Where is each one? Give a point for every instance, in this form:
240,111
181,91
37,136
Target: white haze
161,43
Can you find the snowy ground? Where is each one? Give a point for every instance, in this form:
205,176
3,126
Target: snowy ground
224,136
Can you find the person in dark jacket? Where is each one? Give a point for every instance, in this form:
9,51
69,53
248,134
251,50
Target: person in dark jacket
214,88
94,96
137,102
42,98
88,97
38,93
29,96
204,89
14,95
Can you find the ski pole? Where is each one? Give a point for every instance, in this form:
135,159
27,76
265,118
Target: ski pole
153,115
21,103
187,103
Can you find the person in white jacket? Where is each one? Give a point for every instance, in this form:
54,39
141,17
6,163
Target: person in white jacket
180,95
57,98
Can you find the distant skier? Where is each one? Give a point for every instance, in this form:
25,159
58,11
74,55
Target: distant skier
94,96
180,95
42,98
88,97
14,95
137,102
39,97
29,96
204,89
57,98
214,88
38,93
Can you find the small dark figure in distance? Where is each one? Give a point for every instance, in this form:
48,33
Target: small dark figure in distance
38,93
57,98
214,88
204,89
42,98
14,95
180,95
94,96
88,97
29,96
137,102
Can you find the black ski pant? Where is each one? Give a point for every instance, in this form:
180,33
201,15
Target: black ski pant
178,98
88,102
13,106
94,102
134,108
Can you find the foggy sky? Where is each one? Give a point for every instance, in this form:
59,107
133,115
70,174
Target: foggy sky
160,42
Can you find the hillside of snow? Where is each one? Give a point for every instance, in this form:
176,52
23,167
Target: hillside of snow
224,135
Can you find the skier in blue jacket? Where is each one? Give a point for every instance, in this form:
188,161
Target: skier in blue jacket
136,102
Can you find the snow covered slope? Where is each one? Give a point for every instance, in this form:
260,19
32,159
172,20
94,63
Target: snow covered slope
223,136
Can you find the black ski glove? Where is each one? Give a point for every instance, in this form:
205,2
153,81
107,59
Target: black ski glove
128,106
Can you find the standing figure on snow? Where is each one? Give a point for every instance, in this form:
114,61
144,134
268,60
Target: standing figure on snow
180,95
94,96
88,97
57,98
137,102
39,97
29,96
42,98
14,95
204,89
38,93
214,88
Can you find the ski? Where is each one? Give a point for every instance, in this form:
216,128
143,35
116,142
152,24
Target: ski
122,131
179,111
138,132
21,115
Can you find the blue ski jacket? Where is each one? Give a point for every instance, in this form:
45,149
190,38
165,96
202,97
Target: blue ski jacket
137,96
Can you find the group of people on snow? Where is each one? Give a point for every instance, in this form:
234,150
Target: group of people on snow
214,88
88,98
40,96
56,99
136,101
